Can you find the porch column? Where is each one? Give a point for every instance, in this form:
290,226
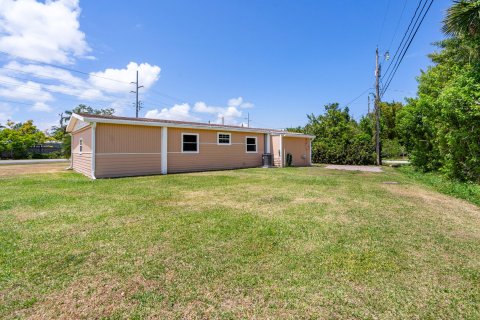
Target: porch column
164,150
267,143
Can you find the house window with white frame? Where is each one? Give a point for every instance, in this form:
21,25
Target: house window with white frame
80,145
251,143
190,142
224,138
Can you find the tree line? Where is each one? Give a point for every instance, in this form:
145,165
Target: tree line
439,129
17,139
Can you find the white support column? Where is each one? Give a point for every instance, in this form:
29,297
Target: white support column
281,150
268,142
71,152
164,150
94,152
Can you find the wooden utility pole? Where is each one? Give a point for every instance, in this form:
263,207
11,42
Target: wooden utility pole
137,105
248,119
378,147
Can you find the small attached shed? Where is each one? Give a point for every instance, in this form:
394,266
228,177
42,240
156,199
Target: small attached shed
110,146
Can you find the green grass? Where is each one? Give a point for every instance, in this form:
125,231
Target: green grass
463,190
253,243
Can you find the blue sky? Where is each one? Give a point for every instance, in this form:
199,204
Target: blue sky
203,60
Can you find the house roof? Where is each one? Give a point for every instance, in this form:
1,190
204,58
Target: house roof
94,118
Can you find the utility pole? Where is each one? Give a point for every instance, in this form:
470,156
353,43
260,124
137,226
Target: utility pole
378,148
137,105
248,119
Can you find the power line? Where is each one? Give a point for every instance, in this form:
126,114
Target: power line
383,22
403,38
173,98
17,102
62,67
399,61
398,25
358,97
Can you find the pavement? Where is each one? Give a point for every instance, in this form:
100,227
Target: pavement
396,162
354,168
33,161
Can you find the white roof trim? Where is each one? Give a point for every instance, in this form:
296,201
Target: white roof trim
157,124
294,135
75,117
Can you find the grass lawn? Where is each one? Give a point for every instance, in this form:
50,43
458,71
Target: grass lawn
253,243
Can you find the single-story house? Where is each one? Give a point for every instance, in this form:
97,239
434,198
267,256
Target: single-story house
111,146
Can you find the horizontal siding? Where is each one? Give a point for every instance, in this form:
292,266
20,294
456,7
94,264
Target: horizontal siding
116,138
82,163
212,156
117,165
300,150
126,150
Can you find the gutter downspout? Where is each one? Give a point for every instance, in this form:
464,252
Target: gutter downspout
164,150
94,152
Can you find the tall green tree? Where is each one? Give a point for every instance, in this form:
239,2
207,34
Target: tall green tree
59,132
339,139
441,126
17,138
463,19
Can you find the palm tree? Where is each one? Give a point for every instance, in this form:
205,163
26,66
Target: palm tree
463,19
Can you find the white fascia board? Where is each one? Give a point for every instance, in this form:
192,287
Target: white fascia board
170,125
73,119
294,135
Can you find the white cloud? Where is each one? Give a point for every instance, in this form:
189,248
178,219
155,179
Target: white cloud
48,32
202,107
148,75
231,114
6,113
44,72
23,90
42,107
177,112
239,103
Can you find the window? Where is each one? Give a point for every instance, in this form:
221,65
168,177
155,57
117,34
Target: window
80,143
224,138
190,142
251,144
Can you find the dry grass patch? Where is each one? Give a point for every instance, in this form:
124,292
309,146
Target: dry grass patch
21,169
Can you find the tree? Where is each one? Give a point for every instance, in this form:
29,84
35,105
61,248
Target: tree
441,126
17,138
463,19
59,133
339,139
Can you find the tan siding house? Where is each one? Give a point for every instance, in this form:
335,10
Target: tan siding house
108,146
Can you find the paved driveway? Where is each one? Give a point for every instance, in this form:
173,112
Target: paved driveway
354,168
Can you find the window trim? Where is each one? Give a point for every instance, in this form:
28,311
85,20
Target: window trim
80,146
198,142
229,139
256,144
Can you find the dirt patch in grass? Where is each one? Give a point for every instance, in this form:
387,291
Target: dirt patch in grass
92,298
21,169
443,207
